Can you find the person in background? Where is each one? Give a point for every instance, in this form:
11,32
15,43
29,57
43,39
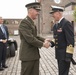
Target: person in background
4,35
30,42
63,40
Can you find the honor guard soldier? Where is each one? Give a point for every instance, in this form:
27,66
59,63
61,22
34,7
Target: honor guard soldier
63,40
30,42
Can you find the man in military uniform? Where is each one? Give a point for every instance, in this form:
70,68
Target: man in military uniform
63,40
30,42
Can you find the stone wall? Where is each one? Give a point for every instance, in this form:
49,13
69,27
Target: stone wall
12,28
12,25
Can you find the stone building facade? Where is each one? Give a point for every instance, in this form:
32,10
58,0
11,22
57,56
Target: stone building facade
12,25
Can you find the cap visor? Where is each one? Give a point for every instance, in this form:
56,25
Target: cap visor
51,12
39,9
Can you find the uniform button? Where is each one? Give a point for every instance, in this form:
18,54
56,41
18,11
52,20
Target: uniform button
56,39
56,46
56,42
56,35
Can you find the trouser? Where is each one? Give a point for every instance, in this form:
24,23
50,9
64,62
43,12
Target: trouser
3,50
63,67
30,67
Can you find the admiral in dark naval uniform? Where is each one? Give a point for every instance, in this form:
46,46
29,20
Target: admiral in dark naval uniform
63,40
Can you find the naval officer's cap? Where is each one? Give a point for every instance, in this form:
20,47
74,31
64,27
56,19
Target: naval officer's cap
56,8
35,5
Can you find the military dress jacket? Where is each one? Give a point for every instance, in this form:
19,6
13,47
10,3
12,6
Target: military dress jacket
63,39
30,42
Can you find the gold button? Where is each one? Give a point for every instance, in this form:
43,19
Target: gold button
56,39
56,42
56,46
56,35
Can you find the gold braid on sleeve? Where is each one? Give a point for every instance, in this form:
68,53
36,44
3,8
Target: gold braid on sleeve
70,49
53,40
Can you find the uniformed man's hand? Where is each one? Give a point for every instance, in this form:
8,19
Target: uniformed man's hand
46,44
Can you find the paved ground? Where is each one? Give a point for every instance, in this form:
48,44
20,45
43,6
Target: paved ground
48,63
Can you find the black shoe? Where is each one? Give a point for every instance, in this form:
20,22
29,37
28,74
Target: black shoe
1,69
5,66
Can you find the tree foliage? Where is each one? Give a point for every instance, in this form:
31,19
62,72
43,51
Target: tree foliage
5,22
74,14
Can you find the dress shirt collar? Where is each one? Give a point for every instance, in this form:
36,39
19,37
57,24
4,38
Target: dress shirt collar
0,25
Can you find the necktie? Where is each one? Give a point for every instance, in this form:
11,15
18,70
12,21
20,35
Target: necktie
57,25
4,32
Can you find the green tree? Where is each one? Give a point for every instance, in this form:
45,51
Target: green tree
5,22
74,14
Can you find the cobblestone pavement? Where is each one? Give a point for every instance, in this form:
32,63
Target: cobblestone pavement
48,63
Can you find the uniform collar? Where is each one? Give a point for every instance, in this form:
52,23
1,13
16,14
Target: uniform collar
28,18
60,19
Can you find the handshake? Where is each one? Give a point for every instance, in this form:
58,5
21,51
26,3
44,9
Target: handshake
47,43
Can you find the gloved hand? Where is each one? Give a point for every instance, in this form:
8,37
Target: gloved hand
68,57
73,61
52,44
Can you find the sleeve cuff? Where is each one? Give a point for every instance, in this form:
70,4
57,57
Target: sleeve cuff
0,40
52,43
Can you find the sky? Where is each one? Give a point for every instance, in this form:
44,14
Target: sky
14,8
